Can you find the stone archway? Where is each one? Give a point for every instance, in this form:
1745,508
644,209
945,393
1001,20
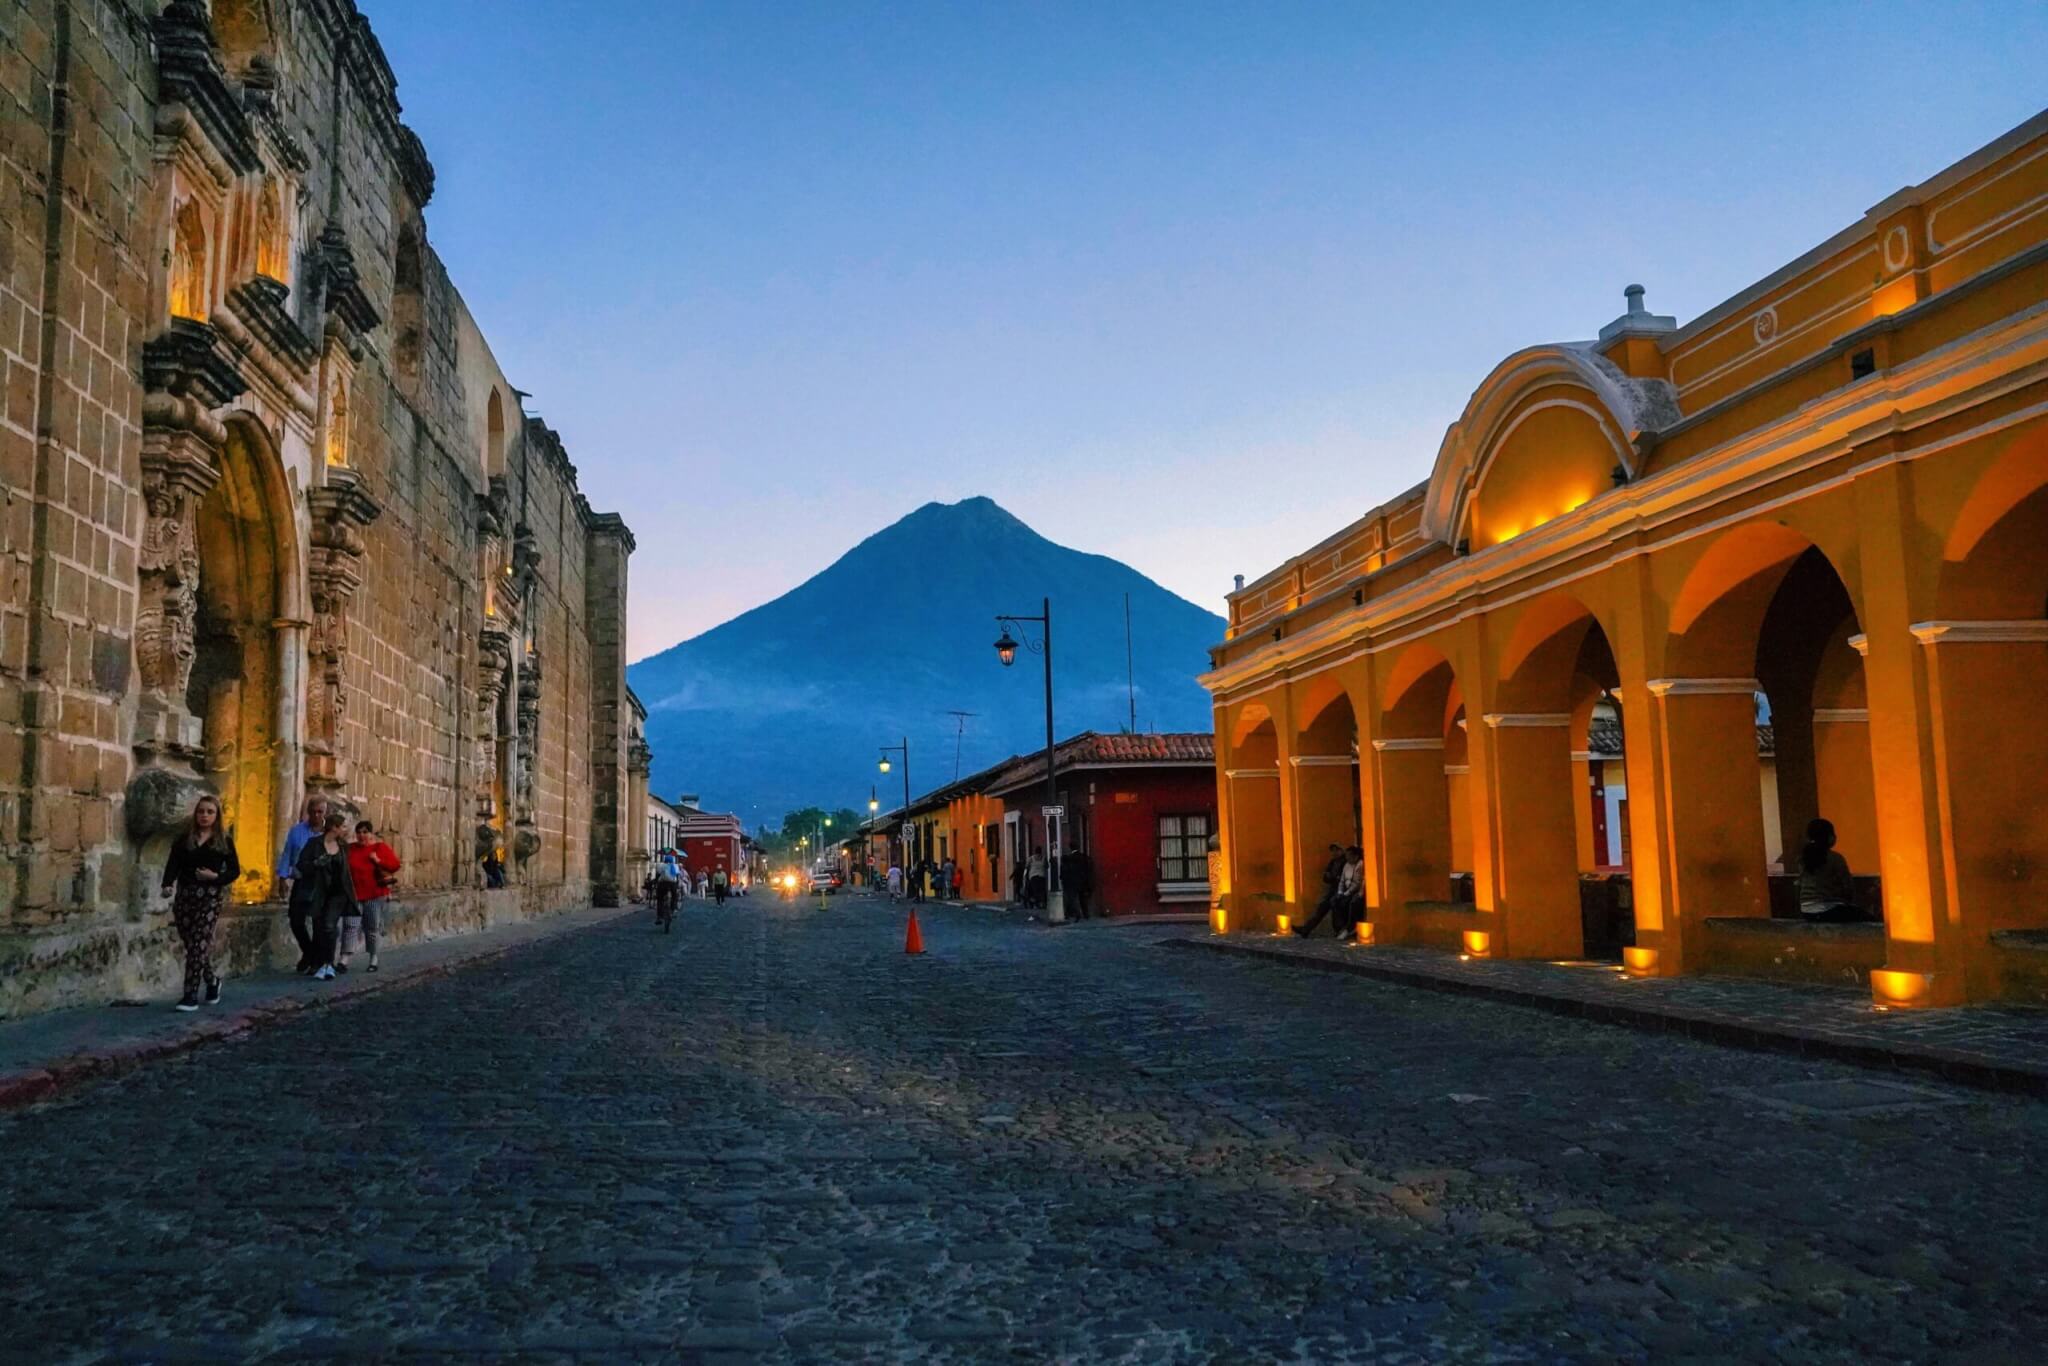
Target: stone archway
247,548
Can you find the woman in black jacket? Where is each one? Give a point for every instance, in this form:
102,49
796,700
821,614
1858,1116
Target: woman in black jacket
325,891
198,874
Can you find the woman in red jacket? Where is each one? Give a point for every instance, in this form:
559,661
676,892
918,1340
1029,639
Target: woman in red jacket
373,867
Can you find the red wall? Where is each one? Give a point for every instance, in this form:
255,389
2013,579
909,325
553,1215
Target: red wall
1123,807
708,853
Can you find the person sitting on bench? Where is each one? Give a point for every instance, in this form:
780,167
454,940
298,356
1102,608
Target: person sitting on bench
1827,892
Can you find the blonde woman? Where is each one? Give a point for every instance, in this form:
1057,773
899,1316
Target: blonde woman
197,876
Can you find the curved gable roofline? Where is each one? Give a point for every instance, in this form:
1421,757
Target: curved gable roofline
1632,406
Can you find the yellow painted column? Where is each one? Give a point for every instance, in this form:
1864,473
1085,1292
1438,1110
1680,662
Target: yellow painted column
1414,854
1220,879
1710,830
1289,903
1534,887
1986,681
1924,950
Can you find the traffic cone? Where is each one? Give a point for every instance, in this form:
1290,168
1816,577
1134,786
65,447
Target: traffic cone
913,939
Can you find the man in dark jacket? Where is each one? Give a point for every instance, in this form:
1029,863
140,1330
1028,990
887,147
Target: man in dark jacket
1333,873
1077,879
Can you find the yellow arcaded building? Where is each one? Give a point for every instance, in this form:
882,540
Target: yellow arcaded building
1815,515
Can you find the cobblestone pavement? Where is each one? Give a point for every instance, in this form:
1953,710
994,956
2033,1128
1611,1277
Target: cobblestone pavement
1996,1045
771,1134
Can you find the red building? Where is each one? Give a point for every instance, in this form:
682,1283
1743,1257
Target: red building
1142,807
710,841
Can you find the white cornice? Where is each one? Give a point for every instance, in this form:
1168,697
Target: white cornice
1322,760
1980,632
1251,772
1516,719
1703,687
1825,715
1420,742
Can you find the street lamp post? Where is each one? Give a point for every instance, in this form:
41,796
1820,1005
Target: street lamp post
904,750
1006,650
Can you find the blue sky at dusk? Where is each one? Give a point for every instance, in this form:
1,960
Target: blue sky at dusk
1191,285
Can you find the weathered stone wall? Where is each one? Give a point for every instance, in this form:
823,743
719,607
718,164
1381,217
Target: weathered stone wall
271,516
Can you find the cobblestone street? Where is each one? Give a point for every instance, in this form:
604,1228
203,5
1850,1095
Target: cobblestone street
770,1134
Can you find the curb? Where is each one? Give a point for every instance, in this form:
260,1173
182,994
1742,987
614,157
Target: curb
1945,1064
33,1085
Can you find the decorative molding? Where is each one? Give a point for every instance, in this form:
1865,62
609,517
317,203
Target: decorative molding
1418,742
1585,756
1513,719
1823,715
1456,770
2018,632
1764,326
1322,760
259,303
189,74
1703,687
346,298
1251,772
1860,643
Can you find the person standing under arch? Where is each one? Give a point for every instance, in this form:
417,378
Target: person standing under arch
201,868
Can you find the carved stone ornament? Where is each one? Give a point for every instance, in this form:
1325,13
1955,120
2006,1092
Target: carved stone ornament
346,298
259,302
189,73
334,571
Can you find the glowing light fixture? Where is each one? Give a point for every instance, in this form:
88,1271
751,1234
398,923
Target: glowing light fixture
1361,934
1476,942
1006,648
1894,988
1283,923
1640,960
1219,921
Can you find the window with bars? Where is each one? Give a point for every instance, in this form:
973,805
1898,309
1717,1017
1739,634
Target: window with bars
1184,848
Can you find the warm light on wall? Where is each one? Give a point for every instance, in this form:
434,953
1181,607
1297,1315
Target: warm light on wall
1282,923
1893,988
1640,961
1476,942
1362,933
1219,921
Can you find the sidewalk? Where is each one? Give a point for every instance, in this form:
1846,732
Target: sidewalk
44,1054
2002,1048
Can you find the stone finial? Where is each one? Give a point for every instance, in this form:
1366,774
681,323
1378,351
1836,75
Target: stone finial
1638,320
1239,580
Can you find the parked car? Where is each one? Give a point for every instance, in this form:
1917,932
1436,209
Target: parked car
826,880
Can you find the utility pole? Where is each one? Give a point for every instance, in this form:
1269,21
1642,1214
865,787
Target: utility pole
959,735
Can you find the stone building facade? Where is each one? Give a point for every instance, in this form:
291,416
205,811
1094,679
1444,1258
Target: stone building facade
272,518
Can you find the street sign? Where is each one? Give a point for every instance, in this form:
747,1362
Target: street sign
1055,811
909,830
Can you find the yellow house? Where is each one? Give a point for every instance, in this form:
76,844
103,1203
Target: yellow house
1823,504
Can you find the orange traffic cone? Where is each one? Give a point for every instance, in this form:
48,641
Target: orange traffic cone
913,939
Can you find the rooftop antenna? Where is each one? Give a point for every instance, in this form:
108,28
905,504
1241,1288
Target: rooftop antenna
1130,668
959,735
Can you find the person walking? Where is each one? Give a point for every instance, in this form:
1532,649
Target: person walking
719,885
323,893
949,873
312,820
895,882
703,884
201,868
1077,877
919,872
373,869
1337,899
1034,881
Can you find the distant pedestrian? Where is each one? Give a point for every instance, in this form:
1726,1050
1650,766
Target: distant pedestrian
312,820
323,891
201,868
920,871
1017,868
1827,890
949,875
895,882
1077,878
373,868
494,869
1034,881
703,884
719,884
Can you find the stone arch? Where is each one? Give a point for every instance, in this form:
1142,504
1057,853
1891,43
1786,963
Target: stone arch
245,31
248,581
1328,797
1545,654
190,254
1420,790
1579,388
494,434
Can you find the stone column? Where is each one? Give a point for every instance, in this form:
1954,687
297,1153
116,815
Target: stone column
341,509
608,549
1414,854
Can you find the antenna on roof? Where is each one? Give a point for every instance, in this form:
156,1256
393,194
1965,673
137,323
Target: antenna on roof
959,735
1130,668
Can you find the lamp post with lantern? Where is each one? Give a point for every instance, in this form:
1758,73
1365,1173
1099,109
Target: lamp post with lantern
904,750
1006,650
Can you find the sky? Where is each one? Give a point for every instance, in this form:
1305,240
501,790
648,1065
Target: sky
1192,285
